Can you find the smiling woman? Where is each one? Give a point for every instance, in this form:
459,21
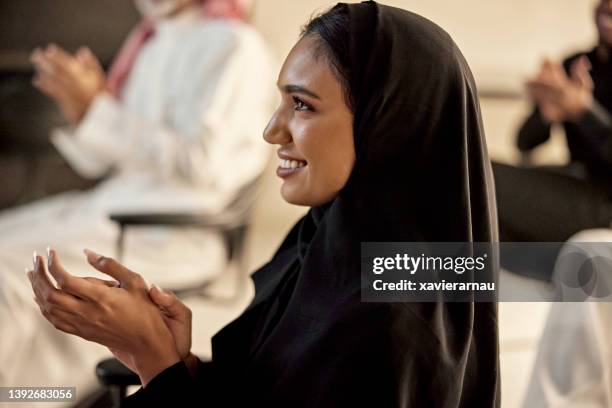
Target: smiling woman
374,99
313,126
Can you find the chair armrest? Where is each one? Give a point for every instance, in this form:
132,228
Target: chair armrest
111,372
233,228
526,159
176,219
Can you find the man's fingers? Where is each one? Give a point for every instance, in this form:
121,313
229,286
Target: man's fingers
579,71
52,88
60,58
58,65
89,60
543,89
552,72
558,73
52,68
109,266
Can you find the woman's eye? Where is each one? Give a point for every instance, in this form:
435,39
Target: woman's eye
300,105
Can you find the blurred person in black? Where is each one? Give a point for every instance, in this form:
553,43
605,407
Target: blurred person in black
550,204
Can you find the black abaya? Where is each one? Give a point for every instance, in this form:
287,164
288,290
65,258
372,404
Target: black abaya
422,174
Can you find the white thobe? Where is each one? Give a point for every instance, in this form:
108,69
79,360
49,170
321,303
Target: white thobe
573,365
185,136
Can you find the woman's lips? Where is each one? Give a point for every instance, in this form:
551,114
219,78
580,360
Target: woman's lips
289,167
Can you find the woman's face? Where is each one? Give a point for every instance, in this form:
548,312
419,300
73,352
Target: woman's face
313,127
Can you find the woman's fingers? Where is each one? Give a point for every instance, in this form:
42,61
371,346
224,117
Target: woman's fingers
42,284
71,284
109,266
47,294
104,282
61,320
172,306
56,269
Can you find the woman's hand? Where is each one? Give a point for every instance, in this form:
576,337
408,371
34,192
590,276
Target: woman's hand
72,81
178,319
118,317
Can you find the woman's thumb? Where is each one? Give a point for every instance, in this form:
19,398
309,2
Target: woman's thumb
168,301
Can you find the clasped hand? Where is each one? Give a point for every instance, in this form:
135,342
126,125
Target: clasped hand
148,330
561,97
72,81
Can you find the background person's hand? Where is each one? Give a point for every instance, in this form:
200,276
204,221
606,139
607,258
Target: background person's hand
73,82
561,97
118,317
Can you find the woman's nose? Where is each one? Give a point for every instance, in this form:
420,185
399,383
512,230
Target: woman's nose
277,131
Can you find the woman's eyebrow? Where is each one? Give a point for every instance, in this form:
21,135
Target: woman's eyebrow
300,90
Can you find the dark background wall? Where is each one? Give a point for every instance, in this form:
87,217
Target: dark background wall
100,24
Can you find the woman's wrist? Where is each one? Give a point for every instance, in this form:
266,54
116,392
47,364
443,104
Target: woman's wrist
191,361
150,361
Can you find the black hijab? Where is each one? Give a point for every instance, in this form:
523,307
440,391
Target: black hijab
422,174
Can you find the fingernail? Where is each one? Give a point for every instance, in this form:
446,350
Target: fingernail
49,257
35,259
94,257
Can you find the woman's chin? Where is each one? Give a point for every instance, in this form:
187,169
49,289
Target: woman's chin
293,197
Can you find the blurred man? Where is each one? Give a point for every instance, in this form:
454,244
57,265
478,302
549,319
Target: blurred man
550,204
177,125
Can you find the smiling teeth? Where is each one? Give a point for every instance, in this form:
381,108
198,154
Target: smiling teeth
291,164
